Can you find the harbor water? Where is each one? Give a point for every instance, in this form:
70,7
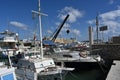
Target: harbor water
93,74
96,73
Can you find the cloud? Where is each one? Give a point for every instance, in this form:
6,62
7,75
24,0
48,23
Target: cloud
111,19
90,22
111,1
18,24
112,15
118,6
74,14
76,32
49,31
66,25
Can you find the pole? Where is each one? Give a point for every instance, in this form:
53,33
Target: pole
10,64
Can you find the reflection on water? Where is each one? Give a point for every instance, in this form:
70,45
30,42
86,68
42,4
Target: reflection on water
94,74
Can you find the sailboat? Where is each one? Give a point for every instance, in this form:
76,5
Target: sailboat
38,67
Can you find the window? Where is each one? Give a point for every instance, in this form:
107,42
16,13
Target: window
41,65
67,56
50,62
8,77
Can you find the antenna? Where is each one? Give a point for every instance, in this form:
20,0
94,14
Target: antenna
97,24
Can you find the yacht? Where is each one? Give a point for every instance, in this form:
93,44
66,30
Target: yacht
59,53
8,41
75,59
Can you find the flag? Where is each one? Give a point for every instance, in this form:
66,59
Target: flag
35,36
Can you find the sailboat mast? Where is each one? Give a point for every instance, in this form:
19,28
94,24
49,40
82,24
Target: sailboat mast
40,29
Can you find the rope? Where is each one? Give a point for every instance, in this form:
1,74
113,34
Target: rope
100,66
73,75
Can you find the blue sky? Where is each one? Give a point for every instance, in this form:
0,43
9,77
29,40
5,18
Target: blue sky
16,16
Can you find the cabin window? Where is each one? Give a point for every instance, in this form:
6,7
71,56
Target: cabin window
55,79
8,77
50,62
28,66
56,49
67,56
20,64
41,65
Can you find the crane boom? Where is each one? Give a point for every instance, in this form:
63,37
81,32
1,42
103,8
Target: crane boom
55,34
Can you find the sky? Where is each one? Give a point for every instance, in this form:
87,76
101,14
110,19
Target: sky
16,16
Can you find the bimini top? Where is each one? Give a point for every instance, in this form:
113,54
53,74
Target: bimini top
48,42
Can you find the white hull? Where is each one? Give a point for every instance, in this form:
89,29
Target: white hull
53,74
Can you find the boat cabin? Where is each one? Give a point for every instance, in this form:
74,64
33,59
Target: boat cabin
37,65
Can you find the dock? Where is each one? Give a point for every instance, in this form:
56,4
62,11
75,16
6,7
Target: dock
114,73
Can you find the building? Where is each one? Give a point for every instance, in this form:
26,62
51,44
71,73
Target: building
116,39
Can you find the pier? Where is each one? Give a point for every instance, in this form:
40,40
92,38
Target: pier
114,73
110,52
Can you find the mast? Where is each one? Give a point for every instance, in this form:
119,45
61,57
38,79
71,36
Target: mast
40,29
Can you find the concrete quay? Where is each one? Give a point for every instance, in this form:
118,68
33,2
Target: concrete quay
114,73
108,51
